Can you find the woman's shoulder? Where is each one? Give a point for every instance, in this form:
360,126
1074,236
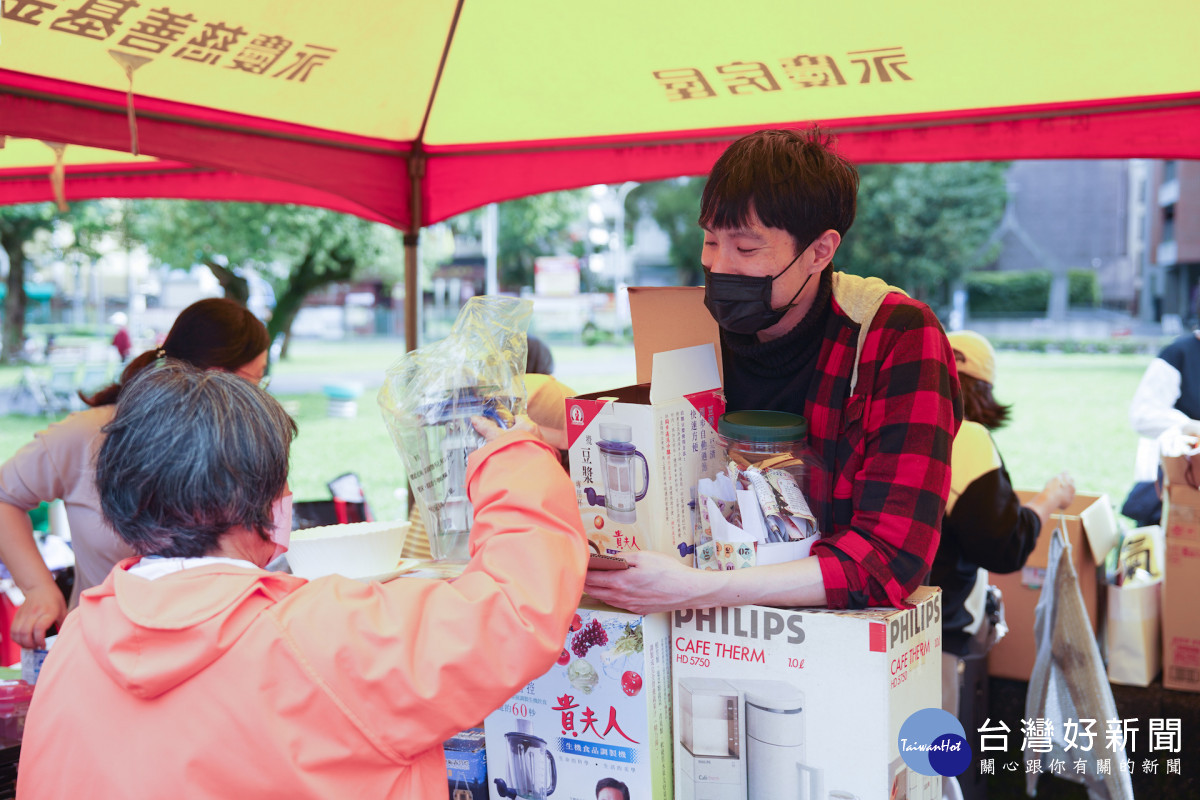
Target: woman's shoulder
972,432
78,429
974,452
82,423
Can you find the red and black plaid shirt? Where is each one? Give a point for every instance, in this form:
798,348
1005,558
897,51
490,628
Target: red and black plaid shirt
885,449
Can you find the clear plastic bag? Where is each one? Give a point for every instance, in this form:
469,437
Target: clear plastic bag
429,396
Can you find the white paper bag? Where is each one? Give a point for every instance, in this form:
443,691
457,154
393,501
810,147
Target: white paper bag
1134,633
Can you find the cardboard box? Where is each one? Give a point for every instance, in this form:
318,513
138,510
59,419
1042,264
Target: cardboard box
802,703
1088,522
604,711
637,452
466,765
1181,589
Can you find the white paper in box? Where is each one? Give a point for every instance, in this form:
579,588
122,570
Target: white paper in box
802,703
603,714
636,454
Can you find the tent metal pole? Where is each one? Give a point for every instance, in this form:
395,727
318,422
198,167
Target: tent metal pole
412,289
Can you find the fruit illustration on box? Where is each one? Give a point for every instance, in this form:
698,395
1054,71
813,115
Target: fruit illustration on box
592,634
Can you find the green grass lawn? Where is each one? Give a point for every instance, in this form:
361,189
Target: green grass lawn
1069,412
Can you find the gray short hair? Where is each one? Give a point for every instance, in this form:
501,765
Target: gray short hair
189,454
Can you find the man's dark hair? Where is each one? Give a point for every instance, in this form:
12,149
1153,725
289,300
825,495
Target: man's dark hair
979,405
791,180
189,454
612,783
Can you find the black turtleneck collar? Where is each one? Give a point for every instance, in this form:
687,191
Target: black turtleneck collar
776,375
789,352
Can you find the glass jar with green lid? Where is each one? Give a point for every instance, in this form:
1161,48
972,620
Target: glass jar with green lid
769,452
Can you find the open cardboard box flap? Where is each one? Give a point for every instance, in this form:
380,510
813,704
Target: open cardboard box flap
670,318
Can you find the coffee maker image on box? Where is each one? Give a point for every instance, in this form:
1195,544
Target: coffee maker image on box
909,784
744,739
618,455
712,732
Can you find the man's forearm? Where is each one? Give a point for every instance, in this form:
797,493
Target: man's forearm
794,583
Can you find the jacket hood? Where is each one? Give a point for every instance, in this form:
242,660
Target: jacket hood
150,636
860,298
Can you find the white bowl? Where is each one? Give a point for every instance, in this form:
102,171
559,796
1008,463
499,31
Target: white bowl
355,550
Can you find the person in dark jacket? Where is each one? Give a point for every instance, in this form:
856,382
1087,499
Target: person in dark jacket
986,527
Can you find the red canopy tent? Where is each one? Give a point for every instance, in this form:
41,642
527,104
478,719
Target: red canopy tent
411,111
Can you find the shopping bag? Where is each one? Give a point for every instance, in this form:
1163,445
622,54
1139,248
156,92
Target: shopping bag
1133,633
1069,684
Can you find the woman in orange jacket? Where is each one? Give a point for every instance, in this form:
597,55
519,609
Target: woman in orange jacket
193,672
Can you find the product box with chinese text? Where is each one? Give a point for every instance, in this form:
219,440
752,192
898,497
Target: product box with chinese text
1181,579
803,703
466,765
603,711
1091,527
636,454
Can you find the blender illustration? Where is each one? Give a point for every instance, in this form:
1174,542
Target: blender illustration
617,454
531,771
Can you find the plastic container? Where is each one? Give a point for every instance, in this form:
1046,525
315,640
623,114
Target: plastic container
14,705
773,442
355,550
31,660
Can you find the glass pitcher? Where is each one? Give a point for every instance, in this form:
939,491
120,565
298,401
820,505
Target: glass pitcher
617,456
440,486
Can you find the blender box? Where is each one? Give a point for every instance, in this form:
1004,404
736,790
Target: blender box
637,452
603,711
802,703
466,765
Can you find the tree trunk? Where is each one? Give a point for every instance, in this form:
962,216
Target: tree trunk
14,301
287,306
236,287
304,279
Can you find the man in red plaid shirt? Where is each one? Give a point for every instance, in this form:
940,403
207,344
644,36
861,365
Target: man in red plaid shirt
868,367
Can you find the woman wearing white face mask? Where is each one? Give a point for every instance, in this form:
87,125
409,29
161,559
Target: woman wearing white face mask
227,680
214,333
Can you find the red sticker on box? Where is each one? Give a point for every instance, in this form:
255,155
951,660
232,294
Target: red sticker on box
878,638
580,414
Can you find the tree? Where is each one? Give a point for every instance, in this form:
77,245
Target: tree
674,206
297,249
922,226
528,227
18,226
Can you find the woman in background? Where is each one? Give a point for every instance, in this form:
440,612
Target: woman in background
985,527
58,464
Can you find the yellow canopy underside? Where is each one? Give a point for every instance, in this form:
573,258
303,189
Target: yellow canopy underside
619,66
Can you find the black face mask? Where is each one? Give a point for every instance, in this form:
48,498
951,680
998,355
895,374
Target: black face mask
742,303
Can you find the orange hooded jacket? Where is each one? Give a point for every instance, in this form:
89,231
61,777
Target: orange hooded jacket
222,682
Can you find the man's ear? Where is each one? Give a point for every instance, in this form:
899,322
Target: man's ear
824,247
